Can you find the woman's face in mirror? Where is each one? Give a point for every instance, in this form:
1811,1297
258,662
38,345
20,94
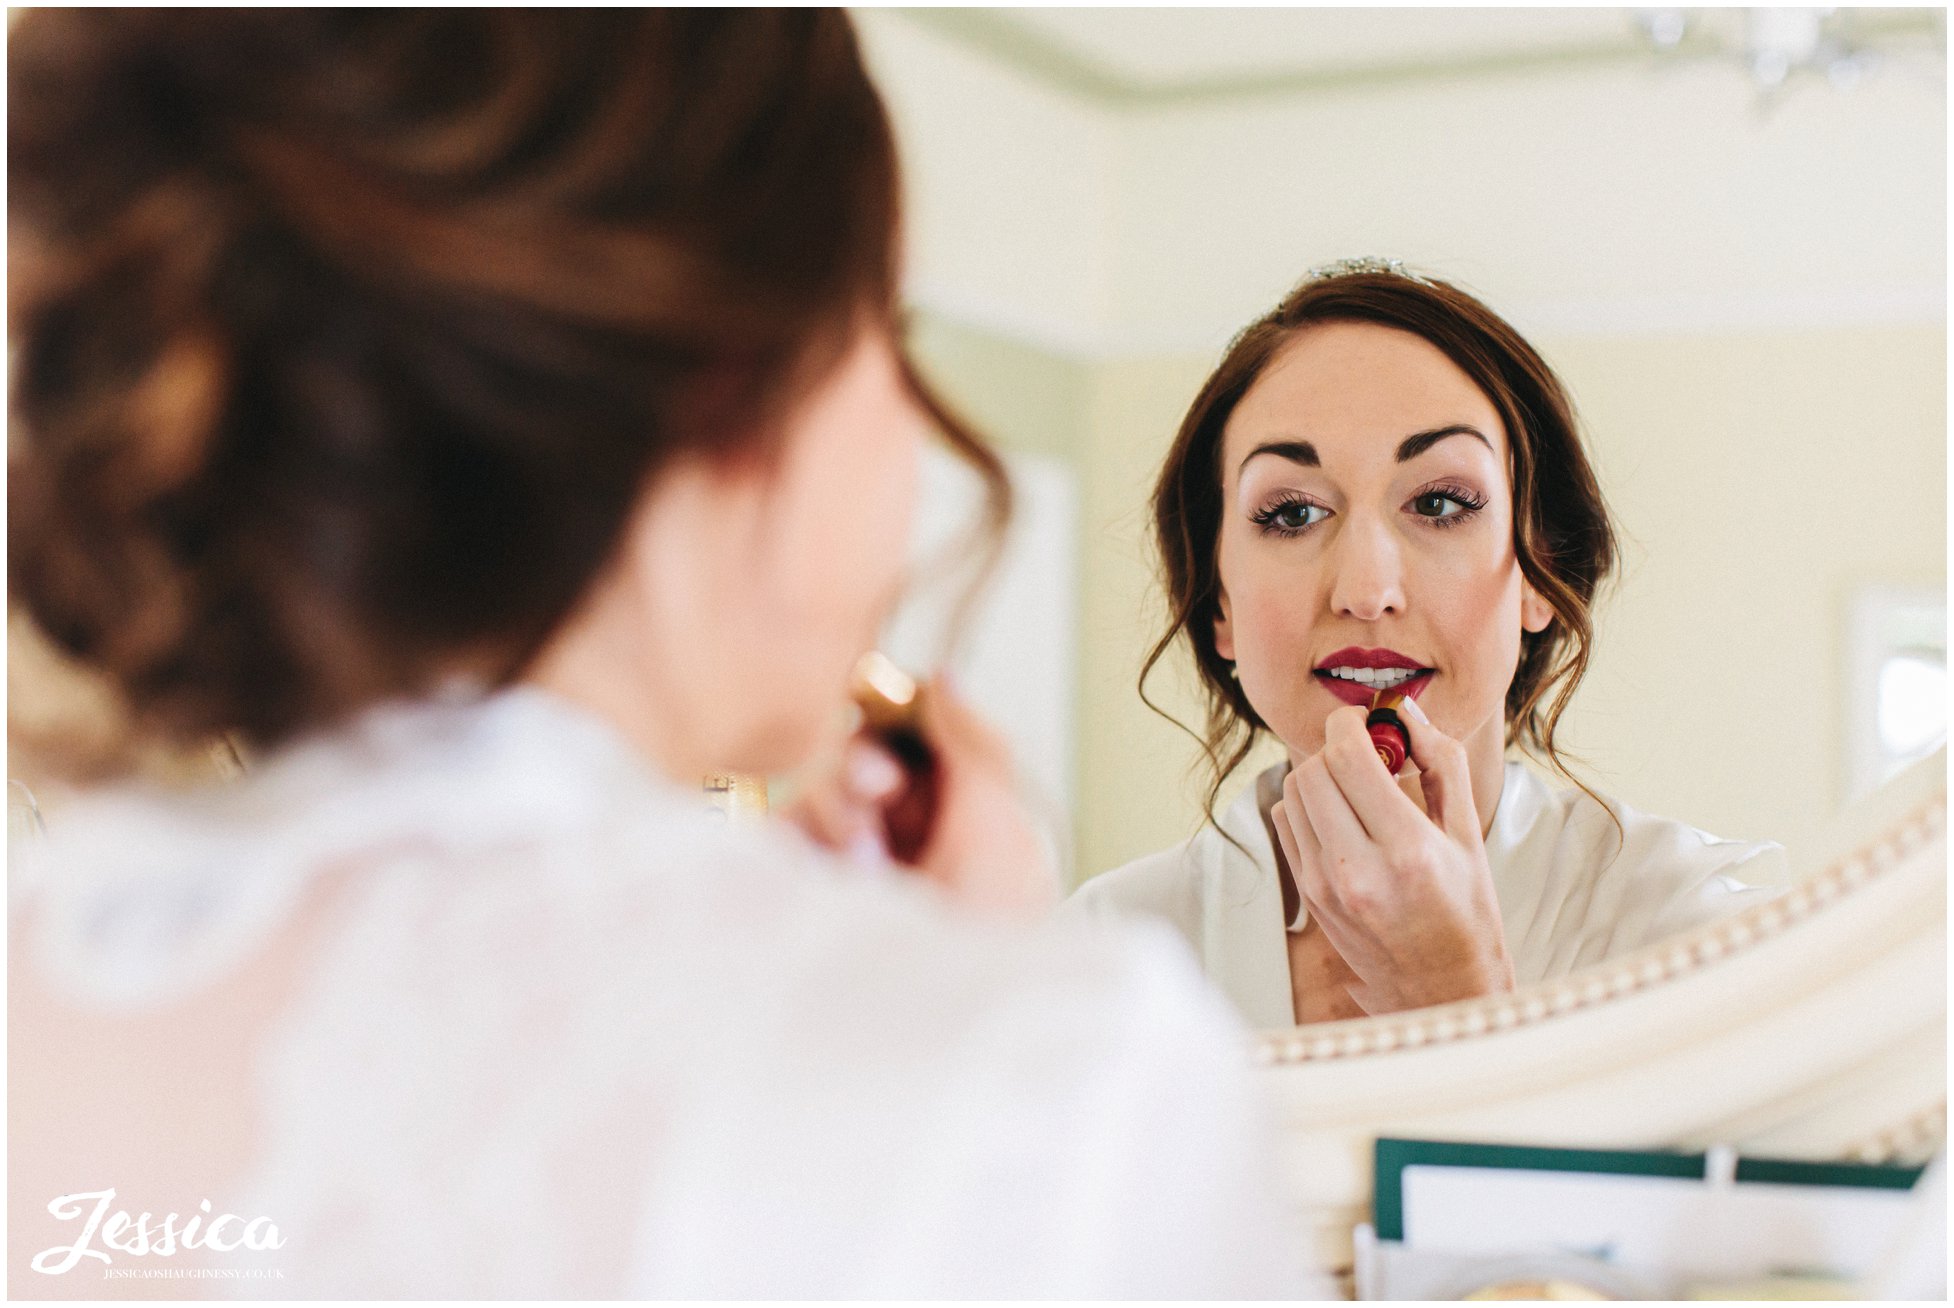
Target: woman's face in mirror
1368,507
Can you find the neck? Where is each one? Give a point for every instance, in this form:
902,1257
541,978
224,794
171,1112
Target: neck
598,663
1486,761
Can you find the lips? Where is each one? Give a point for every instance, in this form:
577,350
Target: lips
1356,692
1352,657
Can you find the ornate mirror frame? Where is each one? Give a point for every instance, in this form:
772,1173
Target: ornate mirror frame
1813,1025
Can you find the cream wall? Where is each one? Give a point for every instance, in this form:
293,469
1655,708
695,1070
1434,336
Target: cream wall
1009,189
1601,201
1595,199
1758,479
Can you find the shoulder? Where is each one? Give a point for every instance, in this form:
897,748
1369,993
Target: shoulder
873,1051
1094,974
1070,1073
1625,877
1630,842
1105,1085
1165,883
1067,1009
1173,883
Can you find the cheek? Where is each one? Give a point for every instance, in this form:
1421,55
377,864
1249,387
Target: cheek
899,486
1275,621
1474,610
1273,608
842,547
877,513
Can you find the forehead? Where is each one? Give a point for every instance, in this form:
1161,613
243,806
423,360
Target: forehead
1349,388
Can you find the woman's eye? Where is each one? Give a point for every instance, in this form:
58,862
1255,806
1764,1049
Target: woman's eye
1434,505
1291,517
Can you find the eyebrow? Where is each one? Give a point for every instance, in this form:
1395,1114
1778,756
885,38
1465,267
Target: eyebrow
1408,449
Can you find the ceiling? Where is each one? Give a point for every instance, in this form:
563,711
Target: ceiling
1128,55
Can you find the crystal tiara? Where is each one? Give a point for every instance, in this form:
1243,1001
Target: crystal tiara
1370,264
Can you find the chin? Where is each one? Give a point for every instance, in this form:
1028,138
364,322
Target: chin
1300,739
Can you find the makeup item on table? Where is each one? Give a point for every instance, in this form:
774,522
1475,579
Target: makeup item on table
1387,730
891,702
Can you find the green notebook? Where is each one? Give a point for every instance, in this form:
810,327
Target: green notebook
1393,1156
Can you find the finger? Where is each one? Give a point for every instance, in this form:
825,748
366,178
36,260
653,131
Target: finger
1444,775
869,773
1320,891
1343,848
1304,853
961,736
1388,816
1279,819
827,817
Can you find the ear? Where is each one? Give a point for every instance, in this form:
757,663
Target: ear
1536,614
1224,632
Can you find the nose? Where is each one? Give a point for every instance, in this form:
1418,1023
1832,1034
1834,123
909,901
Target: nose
1369,574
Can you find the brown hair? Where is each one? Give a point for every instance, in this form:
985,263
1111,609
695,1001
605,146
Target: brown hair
1561,532
347,340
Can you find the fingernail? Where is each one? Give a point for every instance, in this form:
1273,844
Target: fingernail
871,773
1415,713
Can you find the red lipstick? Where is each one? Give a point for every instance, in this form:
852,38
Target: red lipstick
1357,692
1350,656
1387,730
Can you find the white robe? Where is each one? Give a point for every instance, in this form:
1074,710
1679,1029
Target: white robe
799,1078
1567,898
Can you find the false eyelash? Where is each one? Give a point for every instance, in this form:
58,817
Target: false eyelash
1469,503
1265,517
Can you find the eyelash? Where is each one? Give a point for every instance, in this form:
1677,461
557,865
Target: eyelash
1468,502
1469,507
1265,517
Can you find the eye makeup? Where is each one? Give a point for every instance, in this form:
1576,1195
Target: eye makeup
1470,503
1288,512
1280,516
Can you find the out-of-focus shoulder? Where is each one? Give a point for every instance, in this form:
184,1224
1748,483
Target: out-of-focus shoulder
1095,974
1164,884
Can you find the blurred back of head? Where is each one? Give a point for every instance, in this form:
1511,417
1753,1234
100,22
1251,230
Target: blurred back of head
346,341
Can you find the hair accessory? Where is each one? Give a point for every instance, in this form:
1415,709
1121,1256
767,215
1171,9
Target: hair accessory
1369,264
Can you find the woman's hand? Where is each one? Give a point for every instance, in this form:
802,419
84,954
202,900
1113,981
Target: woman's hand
1406,899
982,847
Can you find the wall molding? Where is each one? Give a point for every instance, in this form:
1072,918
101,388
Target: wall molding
996,34
1862,308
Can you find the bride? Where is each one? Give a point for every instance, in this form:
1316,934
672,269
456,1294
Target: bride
1381,488
493,420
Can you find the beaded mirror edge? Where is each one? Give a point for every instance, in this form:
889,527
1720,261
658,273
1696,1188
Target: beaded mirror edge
1645,969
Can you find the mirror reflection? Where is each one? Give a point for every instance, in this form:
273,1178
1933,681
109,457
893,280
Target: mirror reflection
1476,513
1620,458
